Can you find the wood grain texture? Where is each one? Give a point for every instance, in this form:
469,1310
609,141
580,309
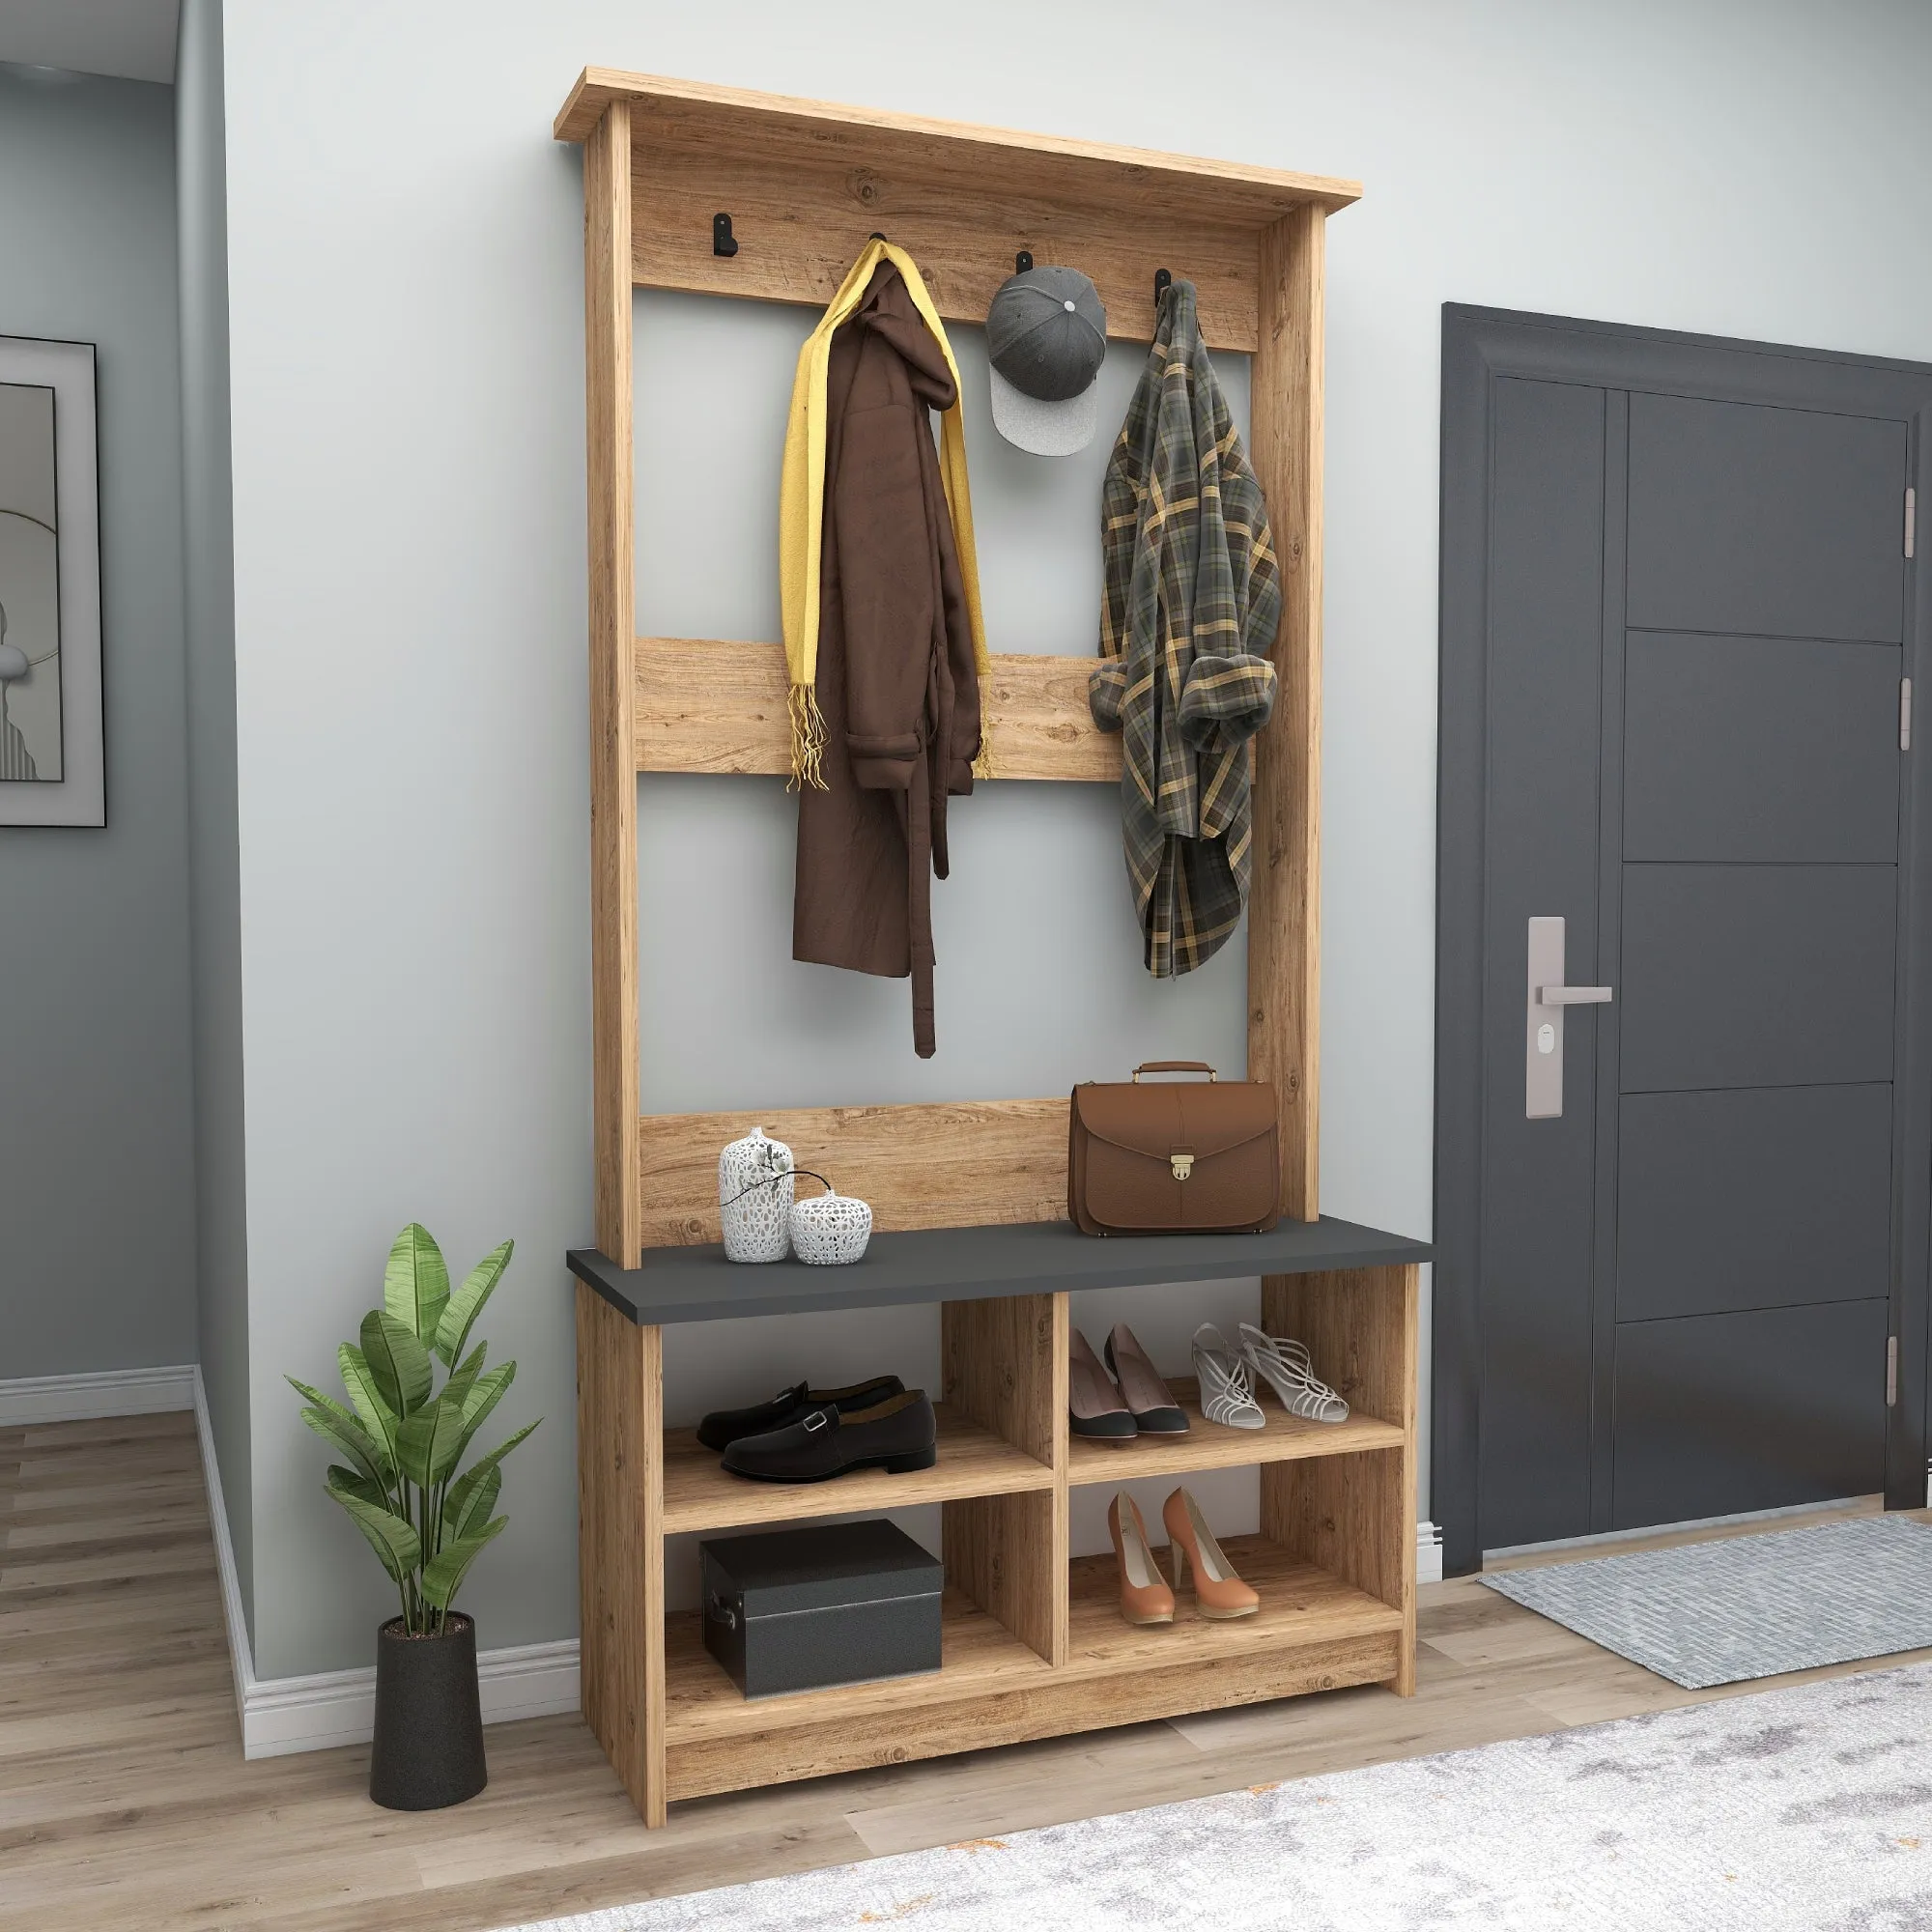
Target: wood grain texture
1285,895
1001,1366
1208,1446
980,1655
806,182
1183,1684
718,706
613,786
973,1460
127,1803
620,1544
1355,1515
1303,1604
999,1551
780,127
1313,1632
955,1164
1360,1328
1005,1364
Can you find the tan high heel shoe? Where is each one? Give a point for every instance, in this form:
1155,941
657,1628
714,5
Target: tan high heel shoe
1217,1591
1144,1598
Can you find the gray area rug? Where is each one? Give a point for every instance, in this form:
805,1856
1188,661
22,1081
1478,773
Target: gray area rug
1748,1605
1808,1808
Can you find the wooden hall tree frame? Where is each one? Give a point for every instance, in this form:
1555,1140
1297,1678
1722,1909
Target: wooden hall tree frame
805,185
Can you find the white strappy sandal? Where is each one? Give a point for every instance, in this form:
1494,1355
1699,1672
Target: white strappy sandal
1227,1395
1285,1365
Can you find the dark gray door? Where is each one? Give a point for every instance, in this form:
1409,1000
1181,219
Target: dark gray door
1696,615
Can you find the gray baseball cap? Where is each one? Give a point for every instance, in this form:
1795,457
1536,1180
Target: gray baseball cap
1046,337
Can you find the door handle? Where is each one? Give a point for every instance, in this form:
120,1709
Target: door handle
1542,1019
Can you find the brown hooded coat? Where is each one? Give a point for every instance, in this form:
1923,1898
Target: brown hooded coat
895,681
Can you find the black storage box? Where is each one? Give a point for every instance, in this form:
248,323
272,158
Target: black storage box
799,1610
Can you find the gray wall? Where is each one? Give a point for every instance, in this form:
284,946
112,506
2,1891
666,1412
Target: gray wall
405,278
214,897
97,1194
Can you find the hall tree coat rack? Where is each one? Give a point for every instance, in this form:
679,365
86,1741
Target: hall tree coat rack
969,1196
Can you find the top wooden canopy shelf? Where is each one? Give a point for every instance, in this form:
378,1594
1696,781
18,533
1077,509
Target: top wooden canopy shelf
806,182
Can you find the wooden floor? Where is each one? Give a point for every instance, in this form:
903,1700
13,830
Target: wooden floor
125,1800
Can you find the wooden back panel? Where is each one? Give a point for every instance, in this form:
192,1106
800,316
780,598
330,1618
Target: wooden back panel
713,705
958,1164
807,182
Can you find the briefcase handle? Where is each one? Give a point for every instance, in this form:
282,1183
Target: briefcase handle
1175,1067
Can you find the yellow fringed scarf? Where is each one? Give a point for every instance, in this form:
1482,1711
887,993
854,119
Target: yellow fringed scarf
802,504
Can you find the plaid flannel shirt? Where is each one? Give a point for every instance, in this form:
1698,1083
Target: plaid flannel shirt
1189,606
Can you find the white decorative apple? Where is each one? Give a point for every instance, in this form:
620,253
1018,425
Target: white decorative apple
829,1230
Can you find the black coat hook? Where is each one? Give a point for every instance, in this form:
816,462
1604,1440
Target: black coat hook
1023,262
1163,280
723,240
877,236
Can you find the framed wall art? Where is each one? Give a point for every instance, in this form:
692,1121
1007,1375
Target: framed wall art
53,763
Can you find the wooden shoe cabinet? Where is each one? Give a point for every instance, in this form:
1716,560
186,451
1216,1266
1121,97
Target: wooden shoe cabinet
969,1196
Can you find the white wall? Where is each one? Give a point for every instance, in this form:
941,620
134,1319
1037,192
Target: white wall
215,906
97,1178
406,309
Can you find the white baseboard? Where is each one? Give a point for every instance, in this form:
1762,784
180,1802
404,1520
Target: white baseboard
280,1715
229,1578
338,1707
1428,1553
90,1398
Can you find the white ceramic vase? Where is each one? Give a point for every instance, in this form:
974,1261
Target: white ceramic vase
755,1198
831,1228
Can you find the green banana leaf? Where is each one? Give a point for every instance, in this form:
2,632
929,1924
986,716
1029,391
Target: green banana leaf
484,1394
321,1400
415,1283
399,1363
443,1574
463,1380
350,1437
341,1482
495,1456
453,1329
462,1512
428,1442
469,1503
393,1540
377,1416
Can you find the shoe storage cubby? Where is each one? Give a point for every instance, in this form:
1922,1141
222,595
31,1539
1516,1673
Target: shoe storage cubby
1034,1642
967,1196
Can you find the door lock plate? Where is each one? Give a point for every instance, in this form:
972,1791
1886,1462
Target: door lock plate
1546,998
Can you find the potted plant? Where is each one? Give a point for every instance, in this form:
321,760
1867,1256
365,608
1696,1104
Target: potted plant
403,1439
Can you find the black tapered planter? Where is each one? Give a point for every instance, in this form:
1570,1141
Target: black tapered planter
429,1721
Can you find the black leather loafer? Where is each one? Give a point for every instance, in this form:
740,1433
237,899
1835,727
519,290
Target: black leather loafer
898,1433
724,1427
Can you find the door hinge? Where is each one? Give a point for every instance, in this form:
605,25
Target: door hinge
1905,714
1910,521
1892,1371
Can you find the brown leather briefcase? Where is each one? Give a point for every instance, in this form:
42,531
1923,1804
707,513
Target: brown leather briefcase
1197,1157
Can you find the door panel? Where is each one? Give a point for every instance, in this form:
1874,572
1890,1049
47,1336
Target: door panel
1547,534
1757,748
1756,975
1720,1414
1775,522
1756,1197
1676,613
